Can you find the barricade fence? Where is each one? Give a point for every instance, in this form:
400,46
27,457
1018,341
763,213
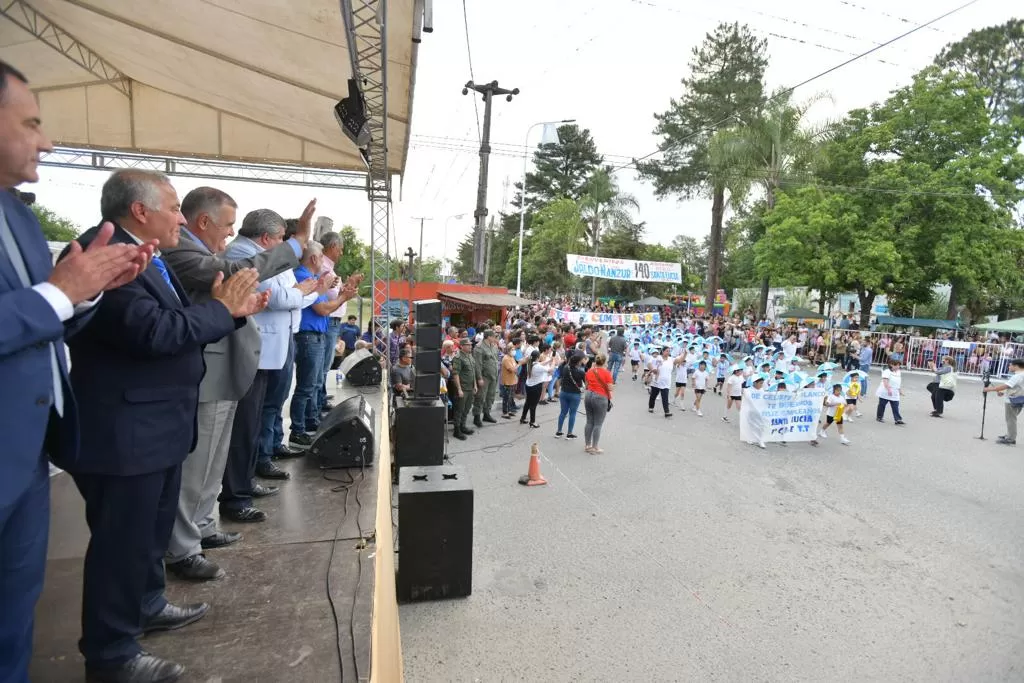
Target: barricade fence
970,358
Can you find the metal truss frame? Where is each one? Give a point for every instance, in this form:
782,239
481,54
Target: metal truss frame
212,169
26,17
366,34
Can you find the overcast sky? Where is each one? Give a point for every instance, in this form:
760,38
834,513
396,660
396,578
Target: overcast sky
611,65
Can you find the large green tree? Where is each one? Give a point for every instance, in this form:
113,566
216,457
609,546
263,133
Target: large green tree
556,231
562,168
725,87
995,57
354,257
770,149
603,206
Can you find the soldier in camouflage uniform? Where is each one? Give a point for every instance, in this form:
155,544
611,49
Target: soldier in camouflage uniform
464,374
485,356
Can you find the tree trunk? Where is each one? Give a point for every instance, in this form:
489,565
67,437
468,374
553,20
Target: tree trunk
766,284
867,300
951,308
714,248
821,301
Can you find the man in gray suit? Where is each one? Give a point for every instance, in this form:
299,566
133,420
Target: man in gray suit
231,365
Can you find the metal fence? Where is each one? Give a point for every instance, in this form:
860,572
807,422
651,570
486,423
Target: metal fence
916,353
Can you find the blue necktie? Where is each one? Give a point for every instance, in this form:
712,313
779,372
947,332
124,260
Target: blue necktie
162,267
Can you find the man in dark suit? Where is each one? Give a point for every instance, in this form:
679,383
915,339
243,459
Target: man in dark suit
231,365
136,371
40,306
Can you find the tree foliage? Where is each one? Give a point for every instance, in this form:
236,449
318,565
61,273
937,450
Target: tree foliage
557,231
995,57
725,87
562,168
55,228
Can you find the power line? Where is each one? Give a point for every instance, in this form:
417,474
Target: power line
790,90
898,18
469,57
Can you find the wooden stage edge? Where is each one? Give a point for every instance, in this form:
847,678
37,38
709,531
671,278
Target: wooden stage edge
385,639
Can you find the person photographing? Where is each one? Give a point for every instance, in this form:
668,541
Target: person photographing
944,386
1013,390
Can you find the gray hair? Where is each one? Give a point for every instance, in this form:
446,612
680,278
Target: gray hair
261,222
312,249
124,188
329,239
208,200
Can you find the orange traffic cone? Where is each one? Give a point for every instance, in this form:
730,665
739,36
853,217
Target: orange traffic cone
533,478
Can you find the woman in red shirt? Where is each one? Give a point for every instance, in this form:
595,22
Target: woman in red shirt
597,402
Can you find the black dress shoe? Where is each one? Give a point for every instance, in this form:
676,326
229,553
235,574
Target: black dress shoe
249,514
143,668
268,470
261,491
300,440
285,452
196,568
221,539
172,617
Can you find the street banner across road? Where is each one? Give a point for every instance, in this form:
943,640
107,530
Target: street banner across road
624,269
608,319
780,415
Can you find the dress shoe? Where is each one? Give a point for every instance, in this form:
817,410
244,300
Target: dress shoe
142,668
196,568
261,491
488,418
221,539
268,470
172,617
249,514
285,452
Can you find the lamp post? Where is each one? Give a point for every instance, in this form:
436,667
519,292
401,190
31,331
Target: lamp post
522,198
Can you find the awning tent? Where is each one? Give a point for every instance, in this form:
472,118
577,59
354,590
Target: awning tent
925,323
227,79
486,299
651,301
1012,326
801,314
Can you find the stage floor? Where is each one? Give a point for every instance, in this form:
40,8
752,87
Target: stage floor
681,554
270,620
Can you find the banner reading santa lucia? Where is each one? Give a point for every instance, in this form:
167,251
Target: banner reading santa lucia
780,415
624,269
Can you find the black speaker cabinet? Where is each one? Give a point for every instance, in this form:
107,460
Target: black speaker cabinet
428,311
435,531
428,337
361,369
346,437
419,432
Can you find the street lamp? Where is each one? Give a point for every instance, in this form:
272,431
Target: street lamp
522,198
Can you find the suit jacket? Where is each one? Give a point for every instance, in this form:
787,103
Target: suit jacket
28,324
231,363
275,323
136,371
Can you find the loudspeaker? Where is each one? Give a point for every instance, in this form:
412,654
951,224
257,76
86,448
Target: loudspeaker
419,432
428,311
435,527
346,435
362,368
427,362
428,337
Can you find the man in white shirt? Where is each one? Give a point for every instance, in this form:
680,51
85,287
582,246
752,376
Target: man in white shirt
1013,388
661,379
334,247
789,347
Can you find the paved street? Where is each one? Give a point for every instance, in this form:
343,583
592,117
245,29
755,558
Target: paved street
681,554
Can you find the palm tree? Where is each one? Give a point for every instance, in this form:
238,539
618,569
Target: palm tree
773,147
603,205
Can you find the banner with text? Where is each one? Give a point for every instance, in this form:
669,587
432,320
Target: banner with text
624,269
780,415
609,319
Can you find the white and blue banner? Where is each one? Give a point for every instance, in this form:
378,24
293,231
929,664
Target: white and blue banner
624,269
780,415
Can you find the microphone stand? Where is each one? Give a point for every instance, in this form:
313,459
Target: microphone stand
986,379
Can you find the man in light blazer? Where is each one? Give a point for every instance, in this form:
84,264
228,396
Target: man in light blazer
231,365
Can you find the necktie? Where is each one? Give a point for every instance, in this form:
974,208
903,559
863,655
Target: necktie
10,246
159,264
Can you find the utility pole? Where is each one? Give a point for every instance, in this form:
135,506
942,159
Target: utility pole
410,254
487,261
419,271
488,91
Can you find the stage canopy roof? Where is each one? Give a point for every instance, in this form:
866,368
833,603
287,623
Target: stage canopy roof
487,299
930,323
1014,325
241,80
